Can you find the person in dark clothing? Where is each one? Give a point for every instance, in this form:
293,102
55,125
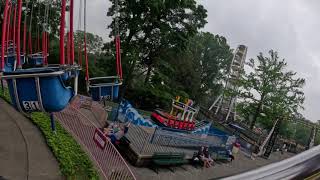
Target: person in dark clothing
208,157
204,156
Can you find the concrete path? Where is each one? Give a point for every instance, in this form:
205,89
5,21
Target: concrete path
24,153
219,170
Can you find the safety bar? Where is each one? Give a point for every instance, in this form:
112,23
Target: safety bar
105,84
37,54
106,77
57,73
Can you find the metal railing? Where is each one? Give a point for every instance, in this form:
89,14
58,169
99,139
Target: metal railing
111,164
301,166
174,139
146,141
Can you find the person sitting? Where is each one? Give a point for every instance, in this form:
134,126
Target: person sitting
108,129
230,155
119,133
208,157
202,157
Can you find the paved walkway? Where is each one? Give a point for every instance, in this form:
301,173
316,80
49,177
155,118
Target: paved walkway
188,172
23,151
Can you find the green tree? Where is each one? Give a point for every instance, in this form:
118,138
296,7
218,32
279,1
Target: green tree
149,28
94,42
269,91
199,69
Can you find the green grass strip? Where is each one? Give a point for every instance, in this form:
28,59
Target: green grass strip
74,163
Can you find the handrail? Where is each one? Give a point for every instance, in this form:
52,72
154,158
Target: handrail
299,166
106,77
105,84
57,73
119,83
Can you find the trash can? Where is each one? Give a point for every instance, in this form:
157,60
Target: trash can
235,148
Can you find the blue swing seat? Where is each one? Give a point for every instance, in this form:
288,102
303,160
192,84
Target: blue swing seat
38,89
10,62
109,91
35,60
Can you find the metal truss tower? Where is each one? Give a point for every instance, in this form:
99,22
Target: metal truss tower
224,105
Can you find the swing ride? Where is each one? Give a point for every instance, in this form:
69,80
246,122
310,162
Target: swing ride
106,88
42,88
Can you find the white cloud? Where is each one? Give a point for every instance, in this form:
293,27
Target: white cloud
288,26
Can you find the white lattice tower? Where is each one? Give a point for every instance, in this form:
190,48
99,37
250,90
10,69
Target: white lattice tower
225,105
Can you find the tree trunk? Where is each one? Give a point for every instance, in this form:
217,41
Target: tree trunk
146,80
257,112
128,79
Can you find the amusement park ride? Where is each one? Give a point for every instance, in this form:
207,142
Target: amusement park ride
35,85
182,115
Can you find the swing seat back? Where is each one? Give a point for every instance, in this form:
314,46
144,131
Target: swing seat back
9,64
35,60
38,89
106,91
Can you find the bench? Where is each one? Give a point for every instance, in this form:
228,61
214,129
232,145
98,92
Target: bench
167,159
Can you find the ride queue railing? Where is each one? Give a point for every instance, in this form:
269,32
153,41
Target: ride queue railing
111,164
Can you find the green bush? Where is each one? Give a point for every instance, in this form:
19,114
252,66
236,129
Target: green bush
73,161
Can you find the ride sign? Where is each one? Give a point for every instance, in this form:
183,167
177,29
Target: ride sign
100,139
31,105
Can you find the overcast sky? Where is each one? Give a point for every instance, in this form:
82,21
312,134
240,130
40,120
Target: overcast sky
290,27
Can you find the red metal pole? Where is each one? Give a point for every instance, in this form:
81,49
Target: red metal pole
24,37
47,47
30,43
119,51
44,46
4,30
18,33
38,42
9,30
71,32
14,25
68,47
62,26
117,56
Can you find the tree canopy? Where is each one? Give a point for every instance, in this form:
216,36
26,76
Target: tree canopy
270,91
148,29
